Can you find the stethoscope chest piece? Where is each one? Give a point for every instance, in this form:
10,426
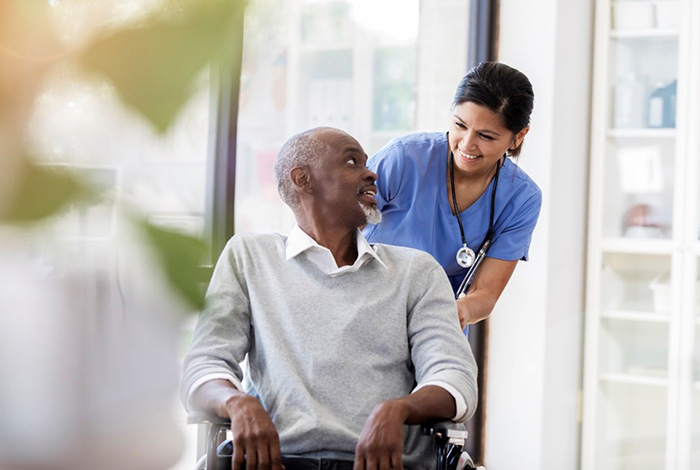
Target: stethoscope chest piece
465,256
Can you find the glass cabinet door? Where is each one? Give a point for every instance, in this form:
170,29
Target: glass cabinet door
641,141
695,394
636,275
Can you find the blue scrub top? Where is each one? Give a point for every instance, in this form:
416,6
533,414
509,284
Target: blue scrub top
412,196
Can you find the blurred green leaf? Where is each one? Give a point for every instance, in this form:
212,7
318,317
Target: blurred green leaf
42,192
181,256
153,67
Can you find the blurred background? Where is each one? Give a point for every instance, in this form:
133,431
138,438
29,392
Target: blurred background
137,136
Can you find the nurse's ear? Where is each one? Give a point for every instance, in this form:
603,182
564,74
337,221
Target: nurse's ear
301,179
518,138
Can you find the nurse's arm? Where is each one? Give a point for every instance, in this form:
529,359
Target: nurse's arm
489,282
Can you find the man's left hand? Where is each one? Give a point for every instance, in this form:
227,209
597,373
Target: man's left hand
381,443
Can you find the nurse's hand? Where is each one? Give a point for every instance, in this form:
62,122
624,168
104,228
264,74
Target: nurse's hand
489,282
463,311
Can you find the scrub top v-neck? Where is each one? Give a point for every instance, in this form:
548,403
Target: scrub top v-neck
412,195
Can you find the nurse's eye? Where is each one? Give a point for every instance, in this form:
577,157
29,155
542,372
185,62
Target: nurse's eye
485,136
460,125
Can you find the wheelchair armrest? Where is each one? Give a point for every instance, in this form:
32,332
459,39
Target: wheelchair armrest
215,435
448,430
206,417
450,439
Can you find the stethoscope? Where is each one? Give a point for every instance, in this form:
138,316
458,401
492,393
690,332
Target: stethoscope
465,256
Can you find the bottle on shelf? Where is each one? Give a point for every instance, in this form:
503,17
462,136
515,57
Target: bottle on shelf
662,106
630,98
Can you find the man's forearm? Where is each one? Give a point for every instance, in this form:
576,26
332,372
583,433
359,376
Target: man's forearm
213,396
429,403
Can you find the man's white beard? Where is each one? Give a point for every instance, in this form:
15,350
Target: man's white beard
373,215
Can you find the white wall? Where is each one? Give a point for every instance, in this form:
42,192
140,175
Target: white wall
535,335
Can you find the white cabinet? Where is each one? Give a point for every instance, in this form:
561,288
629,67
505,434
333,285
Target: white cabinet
642,354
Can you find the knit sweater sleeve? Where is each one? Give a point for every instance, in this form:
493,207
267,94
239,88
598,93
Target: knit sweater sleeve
223,332
439,350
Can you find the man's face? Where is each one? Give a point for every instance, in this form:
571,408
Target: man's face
344,188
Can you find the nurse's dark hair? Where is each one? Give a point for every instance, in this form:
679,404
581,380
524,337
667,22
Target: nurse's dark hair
502,89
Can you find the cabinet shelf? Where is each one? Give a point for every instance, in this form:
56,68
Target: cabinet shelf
644,33
311,48
643,132
636,315
630,379
637,246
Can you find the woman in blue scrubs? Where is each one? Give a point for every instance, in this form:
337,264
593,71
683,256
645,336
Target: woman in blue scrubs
436,190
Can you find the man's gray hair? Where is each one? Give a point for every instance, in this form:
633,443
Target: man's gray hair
302,149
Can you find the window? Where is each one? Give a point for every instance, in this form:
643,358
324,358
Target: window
376,69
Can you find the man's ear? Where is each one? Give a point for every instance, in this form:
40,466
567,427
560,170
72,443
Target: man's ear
301,179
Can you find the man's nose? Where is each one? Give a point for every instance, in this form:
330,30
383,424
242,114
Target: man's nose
371,175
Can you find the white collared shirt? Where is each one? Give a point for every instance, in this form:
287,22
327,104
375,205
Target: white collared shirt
300,242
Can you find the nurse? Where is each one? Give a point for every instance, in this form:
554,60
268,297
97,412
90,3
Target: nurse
448,193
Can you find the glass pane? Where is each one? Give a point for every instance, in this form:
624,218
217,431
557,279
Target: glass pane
695,416
645,75
632,349
347,64
162,176
639,186
632,430
394,85
640,163
695,431
635,283
631,15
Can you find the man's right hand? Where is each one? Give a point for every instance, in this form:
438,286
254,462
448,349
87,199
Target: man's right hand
256,444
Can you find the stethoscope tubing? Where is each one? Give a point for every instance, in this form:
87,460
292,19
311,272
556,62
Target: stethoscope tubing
469,277
485,245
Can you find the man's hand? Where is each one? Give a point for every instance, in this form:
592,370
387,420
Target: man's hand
381,443
256,444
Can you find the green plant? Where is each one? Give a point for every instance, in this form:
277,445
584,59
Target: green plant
152,67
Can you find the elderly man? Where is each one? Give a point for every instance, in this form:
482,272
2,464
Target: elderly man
346,342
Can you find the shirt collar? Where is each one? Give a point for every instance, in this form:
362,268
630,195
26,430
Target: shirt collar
299,241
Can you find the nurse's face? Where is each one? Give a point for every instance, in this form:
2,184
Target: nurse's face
479,138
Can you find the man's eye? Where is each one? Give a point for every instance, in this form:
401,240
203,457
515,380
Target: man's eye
351,161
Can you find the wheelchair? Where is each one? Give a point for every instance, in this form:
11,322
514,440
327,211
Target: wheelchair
449,443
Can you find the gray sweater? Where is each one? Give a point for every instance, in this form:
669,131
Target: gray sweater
324,350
